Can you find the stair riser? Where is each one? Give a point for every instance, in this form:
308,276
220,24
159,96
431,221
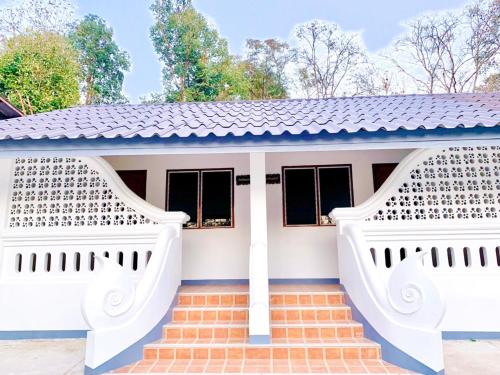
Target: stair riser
275,299
307,299
175,333
187,316
204,333
317,333
311,315
213,300
236,315
263,353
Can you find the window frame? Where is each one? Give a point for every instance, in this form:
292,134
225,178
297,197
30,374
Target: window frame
317,191
374,173
143,172
199,203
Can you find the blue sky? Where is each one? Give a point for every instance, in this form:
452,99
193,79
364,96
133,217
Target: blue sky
237,20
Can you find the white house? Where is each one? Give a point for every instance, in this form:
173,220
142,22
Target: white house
234,201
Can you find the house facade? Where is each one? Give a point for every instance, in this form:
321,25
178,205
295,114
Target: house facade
297,249
107,210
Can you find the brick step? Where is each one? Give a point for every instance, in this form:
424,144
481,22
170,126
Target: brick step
217,366
205,331
278,313
277,298
296,314
307,298
210,314
213,299
278,330
334,329
279,349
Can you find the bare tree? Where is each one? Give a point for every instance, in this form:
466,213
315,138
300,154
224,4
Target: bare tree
371,79
38,15
483,45
418,53
450,52
325,57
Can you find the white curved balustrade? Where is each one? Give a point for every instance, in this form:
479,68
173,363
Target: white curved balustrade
405,308
427,241
120,312
94,255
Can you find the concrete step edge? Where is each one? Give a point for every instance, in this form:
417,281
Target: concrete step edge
319,324
245,345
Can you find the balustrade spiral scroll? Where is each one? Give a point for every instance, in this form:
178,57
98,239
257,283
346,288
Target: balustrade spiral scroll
111,294
411,292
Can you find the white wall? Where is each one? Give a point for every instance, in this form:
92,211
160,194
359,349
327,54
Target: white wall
294,252
207,253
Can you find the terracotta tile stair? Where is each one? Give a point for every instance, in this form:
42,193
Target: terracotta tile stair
312,331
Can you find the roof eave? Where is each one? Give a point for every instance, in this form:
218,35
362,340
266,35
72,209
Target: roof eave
400,139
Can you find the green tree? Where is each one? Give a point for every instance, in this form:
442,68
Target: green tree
196,62
39,72
102,62
265,67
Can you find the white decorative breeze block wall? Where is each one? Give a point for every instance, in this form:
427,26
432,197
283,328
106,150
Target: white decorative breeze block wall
456,183
65,192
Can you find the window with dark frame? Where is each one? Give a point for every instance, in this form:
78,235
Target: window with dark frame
206,195
311,192
381,172
135,180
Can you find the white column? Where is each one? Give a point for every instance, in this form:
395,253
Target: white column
258,273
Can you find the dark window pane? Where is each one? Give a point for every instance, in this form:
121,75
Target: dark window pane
217,190
135,181
300,196
183,195
334,190
381,172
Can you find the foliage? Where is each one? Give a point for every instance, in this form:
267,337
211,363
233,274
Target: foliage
196,62
153,98
265,68
36,15
39,72
491,84
102,62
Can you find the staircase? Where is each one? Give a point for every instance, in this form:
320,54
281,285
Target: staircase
312,331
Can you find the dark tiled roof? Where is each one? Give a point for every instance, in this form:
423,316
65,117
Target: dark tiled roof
276,117
7,110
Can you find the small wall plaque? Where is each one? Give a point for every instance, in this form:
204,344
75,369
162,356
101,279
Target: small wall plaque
243,179
271,179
